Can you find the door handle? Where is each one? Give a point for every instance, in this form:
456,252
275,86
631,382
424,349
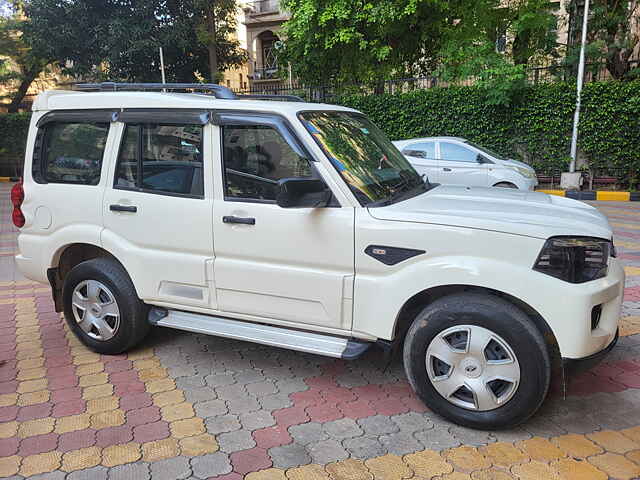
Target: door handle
446,169
123,208
243,220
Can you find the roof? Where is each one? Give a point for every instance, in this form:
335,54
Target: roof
73,100
424,139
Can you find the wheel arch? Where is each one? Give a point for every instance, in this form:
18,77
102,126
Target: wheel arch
420,300
67,257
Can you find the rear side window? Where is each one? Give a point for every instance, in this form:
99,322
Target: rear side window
71,153
161,159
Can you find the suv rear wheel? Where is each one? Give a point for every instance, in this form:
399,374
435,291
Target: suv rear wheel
478,361
102,308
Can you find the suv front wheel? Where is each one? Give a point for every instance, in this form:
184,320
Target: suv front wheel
478,361
102,308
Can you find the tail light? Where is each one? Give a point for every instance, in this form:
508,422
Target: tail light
17,197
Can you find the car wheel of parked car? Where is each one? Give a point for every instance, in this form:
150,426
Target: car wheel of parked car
478,361
102,308
506,185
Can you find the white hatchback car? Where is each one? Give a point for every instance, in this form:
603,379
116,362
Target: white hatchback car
301,226
456,161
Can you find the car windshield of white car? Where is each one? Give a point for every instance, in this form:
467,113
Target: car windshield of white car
486,150
374,169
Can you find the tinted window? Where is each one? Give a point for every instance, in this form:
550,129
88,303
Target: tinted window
169,158
71,153
255,158
453,152
426,150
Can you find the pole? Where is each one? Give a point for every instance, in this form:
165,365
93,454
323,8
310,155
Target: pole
164,79
576,116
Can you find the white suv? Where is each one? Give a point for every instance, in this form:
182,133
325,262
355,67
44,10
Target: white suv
301,226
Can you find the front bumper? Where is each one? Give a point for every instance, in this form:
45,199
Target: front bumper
573,366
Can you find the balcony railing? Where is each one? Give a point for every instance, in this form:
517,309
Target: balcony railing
265,73
264,6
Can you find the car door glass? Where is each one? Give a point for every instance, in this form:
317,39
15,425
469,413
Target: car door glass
452,152
169,157
72,153
425,150
255,157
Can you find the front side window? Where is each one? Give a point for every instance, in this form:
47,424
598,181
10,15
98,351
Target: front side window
161,159
452,152
71,153
377,173
255,158
426,150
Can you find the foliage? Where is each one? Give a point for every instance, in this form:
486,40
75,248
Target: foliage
612,34
13,138
535,128
119,39
356,41
25,59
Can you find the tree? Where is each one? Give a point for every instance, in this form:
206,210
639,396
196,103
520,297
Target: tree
492,42
119,39
26,61
361,41
613,33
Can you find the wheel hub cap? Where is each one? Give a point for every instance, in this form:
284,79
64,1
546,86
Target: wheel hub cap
95,310
472,367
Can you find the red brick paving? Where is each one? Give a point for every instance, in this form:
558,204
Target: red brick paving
250,460
272,437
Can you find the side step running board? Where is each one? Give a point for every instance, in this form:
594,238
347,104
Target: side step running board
318,343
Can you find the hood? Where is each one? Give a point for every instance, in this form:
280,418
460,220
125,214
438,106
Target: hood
515,163
517,212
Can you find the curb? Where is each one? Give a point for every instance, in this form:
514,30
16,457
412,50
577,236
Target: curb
600,195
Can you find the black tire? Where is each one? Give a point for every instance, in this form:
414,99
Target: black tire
506,185
502,318
133,324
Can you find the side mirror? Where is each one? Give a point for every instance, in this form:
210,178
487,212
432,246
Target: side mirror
302,193
482,159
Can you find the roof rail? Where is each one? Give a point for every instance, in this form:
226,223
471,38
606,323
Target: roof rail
219,91
286,98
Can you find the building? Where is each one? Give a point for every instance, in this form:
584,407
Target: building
259,24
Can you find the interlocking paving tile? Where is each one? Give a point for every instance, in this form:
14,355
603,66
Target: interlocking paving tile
289,408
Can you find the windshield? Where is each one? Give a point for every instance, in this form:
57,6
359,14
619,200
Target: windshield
486,150
374,169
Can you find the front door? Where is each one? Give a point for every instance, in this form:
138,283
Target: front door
459,165
288,265
422,156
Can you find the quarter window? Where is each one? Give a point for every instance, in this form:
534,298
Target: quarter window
255,158
161,159
452,152
71,153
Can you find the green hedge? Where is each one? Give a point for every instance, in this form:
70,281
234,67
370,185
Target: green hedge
13,138
536,128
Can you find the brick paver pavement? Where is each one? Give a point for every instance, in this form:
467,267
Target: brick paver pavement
192,406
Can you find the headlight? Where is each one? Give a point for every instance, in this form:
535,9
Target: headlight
574,259
525,172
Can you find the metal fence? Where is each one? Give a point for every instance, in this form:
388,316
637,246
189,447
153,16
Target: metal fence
325,93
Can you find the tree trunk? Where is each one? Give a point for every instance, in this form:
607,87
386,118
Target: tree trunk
212,46
25,83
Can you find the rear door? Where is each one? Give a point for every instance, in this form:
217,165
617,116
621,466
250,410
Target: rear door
290,265
422,156
157,208
459,165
